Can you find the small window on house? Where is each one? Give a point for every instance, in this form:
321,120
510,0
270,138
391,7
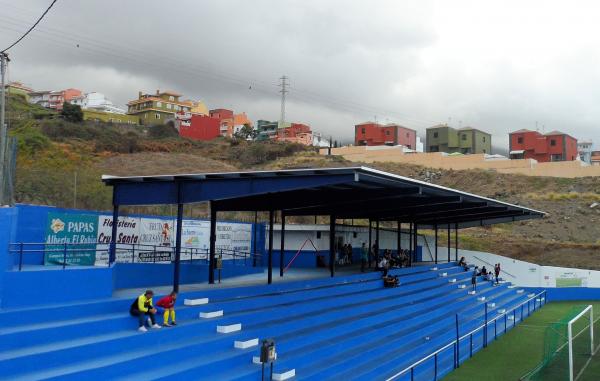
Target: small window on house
484,151
171,98
435,134
463,136
169,106
157,116
363,130
484,139
159,104
520,140
552,142
354,235
318,235
387,133
407,135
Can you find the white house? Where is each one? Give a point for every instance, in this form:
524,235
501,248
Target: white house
97,101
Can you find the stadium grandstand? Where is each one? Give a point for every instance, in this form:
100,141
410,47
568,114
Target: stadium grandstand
344,325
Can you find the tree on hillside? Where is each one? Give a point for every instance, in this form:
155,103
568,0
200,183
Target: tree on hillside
72,113
246,132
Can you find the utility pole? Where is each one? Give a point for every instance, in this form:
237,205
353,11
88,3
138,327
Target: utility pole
283,84
3,65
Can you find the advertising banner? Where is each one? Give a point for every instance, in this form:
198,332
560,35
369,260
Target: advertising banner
78,231
128,239
157,237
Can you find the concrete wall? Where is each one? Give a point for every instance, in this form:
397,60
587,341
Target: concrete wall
532,275
569,169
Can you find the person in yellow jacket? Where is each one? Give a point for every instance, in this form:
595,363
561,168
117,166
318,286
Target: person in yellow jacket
141,308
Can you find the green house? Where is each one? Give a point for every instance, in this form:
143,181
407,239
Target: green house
467,140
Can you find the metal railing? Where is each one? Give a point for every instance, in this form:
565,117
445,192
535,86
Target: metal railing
455,344
62,253
489,264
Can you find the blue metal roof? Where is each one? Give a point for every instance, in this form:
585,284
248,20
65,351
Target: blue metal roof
352,192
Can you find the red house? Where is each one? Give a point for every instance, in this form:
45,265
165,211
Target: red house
374,134
197,126
553,146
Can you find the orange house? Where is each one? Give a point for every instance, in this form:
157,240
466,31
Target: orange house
57,98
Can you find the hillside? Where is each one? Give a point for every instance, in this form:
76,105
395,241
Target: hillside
60,163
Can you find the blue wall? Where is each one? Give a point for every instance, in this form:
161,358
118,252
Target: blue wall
8,217
132,275
569,293
55,286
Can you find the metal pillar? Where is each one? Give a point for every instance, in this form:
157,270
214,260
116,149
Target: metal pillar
456,242
448,242
178,247
281,256
377,242
416,243
213,242
113,238
332,245
254,238
399,237
370,243
270,272
410,243
436,244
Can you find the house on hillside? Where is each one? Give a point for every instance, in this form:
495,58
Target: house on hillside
553,146
375,134
466,140
584,149
57,98
18,88
98,102
157,108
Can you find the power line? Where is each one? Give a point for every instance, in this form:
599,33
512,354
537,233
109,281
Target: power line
139,56
32,27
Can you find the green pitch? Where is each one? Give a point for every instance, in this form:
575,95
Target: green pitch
522,348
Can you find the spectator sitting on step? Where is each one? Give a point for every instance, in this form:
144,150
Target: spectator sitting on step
484,271
463,263
142,308
168,304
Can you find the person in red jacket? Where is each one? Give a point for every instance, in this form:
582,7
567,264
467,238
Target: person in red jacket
168,304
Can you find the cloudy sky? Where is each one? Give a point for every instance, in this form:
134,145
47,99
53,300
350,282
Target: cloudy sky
495,65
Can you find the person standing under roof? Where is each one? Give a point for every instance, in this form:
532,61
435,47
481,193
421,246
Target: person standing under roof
474,278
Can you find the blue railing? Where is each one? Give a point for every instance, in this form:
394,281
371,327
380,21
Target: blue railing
432,358
129,253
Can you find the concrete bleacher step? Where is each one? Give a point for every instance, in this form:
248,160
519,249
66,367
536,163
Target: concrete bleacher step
249,358
210,315
286,375
294,324
351,327
143,338
151,336
390,364
354,365
245,344
342,342
229,328
195,302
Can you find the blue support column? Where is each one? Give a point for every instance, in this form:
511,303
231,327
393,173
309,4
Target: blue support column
281,252
213,242
112,256
270,271
178,247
